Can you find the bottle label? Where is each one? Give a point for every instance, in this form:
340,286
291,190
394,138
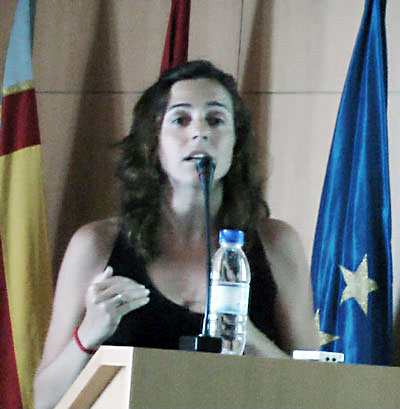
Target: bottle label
227,298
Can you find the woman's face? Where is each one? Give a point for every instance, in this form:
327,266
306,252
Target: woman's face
199,119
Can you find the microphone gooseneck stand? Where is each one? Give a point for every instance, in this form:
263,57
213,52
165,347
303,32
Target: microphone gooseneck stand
204,342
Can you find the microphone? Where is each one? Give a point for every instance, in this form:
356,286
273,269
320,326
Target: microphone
205,168
204,342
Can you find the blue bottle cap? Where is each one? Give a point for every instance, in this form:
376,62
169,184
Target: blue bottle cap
231,236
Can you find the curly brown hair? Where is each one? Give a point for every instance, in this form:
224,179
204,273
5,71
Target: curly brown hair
142,177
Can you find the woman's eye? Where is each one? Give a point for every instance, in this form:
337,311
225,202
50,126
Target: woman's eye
181,120
215,120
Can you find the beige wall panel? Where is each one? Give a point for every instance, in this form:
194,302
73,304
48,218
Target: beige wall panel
296,131
394,153
78,132
99,45
393,35
215,32
78,43
297,46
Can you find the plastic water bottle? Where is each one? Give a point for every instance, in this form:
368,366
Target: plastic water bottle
229,295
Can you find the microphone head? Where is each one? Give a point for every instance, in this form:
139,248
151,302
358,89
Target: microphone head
205,168
206,164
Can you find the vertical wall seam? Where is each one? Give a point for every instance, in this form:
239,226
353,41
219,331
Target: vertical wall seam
240,41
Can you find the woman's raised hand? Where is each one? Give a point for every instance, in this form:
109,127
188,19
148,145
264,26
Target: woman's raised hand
108,299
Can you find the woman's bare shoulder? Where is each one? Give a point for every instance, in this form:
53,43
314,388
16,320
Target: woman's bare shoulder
93,242
282,245
275,232
98,233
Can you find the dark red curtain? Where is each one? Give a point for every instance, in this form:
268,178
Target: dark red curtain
177,38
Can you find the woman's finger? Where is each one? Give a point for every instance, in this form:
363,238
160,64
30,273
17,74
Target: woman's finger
117,284
129,293
110,282
105,275
132,305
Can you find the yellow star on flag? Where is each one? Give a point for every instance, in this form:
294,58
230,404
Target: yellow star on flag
358,285
324,338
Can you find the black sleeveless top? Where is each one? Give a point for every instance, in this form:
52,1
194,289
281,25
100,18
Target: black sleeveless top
161,322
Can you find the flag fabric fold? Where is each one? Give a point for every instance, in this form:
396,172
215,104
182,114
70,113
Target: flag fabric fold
25,270
351,267
177,38
10,394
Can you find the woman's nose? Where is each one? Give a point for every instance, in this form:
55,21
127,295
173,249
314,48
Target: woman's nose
201,130
200,135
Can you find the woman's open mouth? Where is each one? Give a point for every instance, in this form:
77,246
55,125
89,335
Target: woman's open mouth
196,155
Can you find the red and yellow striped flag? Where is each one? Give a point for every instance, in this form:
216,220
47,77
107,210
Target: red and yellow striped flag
25,274
177,38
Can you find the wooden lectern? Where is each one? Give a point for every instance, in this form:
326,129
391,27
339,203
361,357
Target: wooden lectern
139,378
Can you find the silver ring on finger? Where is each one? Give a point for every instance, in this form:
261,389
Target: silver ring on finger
120,299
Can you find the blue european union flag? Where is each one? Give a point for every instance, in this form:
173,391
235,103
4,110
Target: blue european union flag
352,264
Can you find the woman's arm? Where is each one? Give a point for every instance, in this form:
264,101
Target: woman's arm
86,296
294,304
257,343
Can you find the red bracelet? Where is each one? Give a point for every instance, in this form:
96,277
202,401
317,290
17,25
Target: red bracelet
81,347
